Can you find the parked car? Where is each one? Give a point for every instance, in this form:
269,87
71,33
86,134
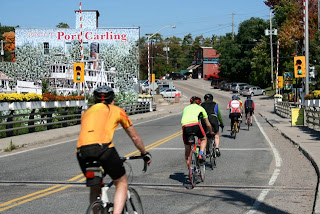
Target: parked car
216,82
244,88
235,87
254,90
222,84
177,76
227,86
170,92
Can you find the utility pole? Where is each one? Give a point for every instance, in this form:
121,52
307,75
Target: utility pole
167,53
233,26
271,49
306,37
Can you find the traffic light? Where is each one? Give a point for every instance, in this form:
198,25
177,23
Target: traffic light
78,72
280,81
153,78
299,66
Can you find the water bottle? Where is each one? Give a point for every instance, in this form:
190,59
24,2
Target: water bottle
197,151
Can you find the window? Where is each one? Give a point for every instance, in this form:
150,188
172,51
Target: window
46,48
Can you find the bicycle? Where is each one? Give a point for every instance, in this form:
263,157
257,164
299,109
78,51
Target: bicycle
235,128
103,205
195,168
248,122
211,151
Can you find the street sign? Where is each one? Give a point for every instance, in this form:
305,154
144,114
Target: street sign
280,81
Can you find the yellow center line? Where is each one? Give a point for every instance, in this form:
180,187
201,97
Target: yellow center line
60,187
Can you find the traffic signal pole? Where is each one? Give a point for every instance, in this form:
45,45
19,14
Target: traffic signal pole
306,38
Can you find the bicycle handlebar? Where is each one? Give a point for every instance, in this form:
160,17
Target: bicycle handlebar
145,166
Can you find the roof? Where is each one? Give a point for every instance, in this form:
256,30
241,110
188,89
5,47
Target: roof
98,14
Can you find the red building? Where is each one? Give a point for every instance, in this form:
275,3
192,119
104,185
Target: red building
205,63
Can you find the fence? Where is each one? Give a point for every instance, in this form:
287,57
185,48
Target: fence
313,117
16,122
312,113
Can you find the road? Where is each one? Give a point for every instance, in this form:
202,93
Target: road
258,172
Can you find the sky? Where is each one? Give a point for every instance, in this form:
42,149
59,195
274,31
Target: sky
201,17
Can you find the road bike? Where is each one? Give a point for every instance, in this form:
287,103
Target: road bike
235,127
211,151
103,205
248,123
196,169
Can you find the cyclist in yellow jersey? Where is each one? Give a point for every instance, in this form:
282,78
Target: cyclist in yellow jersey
190,124
98,124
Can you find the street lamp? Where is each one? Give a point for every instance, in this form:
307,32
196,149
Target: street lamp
148,44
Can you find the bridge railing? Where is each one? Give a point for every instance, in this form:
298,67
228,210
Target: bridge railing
311,113
22,121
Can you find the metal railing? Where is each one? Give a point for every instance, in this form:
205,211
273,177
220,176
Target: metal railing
16,122
313,117
284,109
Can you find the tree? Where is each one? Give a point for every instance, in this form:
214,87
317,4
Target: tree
62,25
9,46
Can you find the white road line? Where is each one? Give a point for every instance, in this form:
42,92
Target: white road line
16,153
222,149
274,176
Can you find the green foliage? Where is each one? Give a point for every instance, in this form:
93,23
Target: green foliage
10,147
62,25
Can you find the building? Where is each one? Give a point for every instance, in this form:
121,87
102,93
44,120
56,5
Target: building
205,64
111,55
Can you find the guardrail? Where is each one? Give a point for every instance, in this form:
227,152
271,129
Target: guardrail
284,109
313,117
21,121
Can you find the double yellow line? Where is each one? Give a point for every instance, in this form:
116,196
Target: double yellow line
79,178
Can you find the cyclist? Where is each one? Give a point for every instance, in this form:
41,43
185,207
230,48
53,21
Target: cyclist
235,107
249,108
190,124
214,116
98,125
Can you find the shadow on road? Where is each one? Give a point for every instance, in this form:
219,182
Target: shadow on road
179,176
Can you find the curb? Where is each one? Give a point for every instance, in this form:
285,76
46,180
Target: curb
316,204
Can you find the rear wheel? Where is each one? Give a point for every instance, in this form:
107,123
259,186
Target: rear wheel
202,169
234,130
192,168
264,93
211,153
133,204
248,122
96,208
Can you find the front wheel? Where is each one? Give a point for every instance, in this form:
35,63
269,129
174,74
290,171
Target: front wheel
192,168
133,204
96,207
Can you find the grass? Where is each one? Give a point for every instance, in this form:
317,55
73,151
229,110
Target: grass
10,147
270,91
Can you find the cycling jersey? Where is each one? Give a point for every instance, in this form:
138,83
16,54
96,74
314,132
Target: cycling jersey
192,113
235,106
99,122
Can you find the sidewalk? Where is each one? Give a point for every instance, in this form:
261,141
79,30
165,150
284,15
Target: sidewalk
307,140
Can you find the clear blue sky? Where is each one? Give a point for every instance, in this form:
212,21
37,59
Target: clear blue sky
201,17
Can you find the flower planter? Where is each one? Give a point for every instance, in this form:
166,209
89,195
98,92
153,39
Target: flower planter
34,104
313,103
4,106
17,105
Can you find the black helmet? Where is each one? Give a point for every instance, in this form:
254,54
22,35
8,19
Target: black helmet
234,97
103,94
195,99
249,97
208,96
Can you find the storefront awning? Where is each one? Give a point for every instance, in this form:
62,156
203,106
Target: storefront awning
196,66
190,67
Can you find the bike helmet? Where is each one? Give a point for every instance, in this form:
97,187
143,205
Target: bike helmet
249,97
234,97
195,99
208,97
103,94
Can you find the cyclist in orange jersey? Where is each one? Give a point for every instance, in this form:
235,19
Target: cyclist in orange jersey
98,125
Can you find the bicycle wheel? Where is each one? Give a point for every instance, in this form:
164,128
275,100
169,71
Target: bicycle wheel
214,155
96,208
248,124
192,168
202,168
211,154
234,130
133,204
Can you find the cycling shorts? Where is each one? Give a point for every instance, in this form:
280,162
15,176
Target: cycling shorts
214,124
192,129
249,110
233,115
109,159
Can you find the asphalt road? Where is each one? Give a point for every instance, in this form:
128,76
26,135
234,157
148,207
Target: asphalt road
258,172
